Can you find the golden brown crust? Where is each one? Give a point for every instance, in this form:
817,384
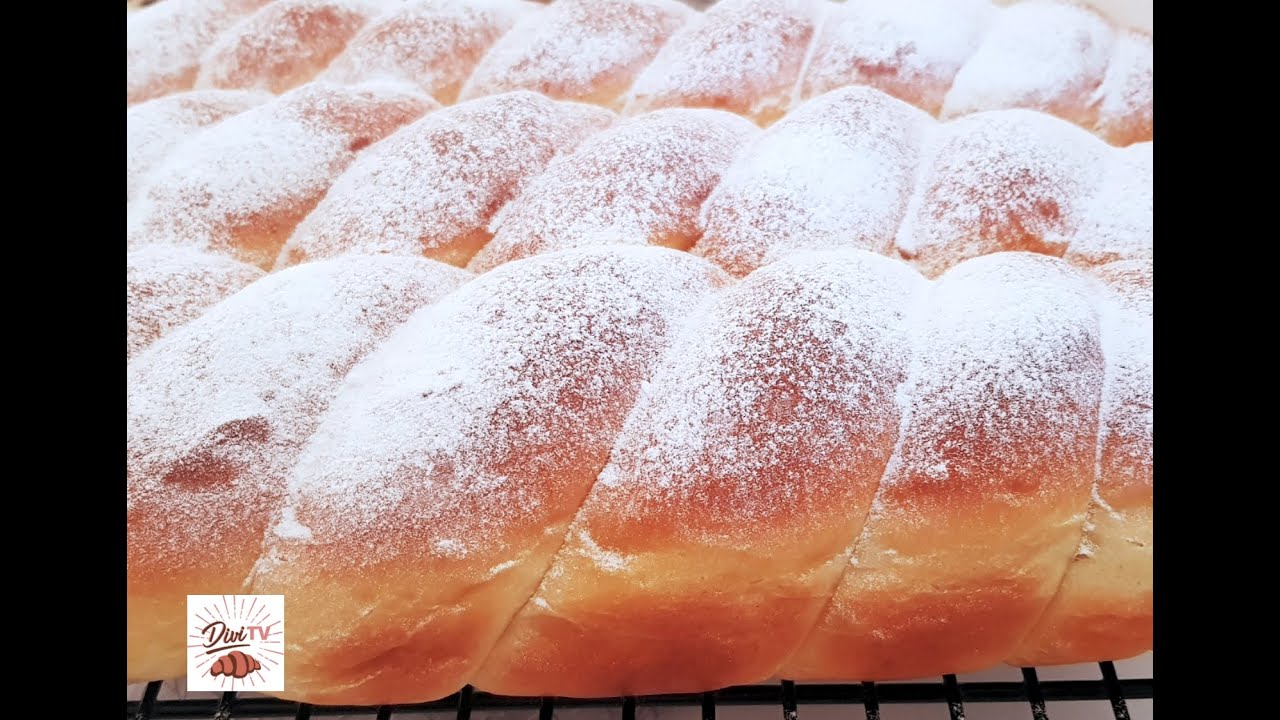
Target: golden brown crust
283,46
205,482
243,185
613,471
1103,607
757,58
730,544
835,470
547,357
983,504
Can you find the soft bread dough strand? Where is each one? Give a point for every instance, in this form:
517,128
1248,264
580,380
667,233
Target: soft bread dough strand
164,42
837,172
168,286
1039,54
1002,180
240,186
745,468
472,435
757,58
1104,605
983,503
434,44
432,188
910,49
584,50
641,182
153,128
217,413
744,56
1118,222
283,45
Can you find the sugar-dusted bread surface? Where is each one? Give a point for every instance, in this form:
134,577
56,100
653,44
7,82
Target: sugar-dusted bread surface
266,362
585,50
640,182
616,348
154,128
309,175
432,188
171,285
164,42
284,45
595,452
1091,65
239,187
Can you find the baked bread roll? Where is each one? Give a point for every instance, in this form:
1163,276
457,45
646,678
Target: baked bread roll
758,58
241,186
623,472
283,45
507,176
530,361
169,286
153,128
431,189
266,361
165,40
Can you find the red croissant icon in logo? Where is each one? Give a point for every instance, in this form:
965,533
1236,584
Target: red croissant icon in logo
236,664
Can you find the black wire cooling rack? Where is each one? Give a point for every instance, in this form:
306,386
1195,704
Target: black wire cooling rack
788,696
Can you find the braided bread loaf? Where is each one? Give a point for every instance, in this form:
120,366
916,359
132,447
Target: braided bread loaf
614,470
507,176
584,466
758,58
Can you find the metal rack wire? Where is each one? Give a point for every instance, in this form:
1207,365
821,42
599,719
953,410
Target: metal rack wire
791,697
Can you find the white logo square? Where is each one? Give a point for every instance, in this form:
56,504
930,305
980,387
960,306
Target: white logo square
235,642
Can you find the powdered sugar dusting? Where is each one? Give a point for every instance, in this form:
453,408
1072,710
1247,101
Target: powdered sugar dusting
1039,54
740,55
164,42
1126,97
757,58
433,43
433,187
996,451
1128,434
169,286
264,365
1118,222
1005,399
911,49
1000,180
290,529
639,183
283,45
778,408
606,560
486,417
587,50
837,172
240,186
154,127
